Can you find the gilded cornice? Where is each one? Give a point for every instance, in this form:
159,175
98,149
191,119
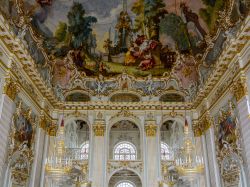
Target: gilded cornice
226,58
22,57
143,105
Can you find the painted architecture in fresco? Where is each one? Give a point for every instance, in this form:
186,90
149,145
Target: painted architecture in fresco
181,38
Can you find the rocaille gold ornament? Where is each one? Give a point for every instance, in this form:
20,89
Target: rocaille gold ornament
99,129
11,89
202,125
151,129
239,88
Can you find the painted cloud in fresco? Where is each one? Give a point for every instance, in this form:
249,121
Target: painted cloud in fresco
138,37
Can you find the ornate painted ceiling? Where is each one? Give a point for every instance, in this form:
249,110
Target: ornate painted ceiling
93,45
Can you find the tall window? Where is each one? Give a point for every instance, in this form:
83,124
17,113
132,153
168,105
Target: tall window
166,153
125,184
85,150
125,151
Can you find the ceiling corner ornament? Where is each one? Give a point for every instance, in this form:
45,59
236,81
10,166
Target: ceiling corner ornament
99,129
11,89
151,129
239,88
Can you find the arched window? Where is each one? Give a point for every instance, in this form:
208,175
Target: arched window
125,184
85,150
166,153
125,151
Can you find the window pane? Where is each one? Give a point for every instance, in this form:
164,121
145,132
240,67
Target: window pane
125,184
125,150
166,153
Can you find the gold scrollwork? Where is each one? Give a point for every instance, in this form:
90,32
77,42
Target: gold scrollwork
11,89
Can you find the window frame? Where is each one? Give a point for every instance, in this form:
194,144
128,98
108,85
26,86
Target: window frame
169,155
84,156
125,181
127,155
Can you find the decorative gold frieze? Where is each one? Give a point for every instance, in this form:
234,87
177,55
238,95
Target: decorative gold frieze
239,88
11,89
151,129
99,129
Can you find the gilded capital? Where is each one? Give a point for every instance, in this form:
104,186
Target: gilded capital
196,128
203,125
11,89
43,122
151,129
99,129
240,88
51,130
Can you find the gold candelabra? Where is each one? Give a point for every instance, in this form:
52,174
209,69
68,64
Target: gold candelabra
59,164
188,162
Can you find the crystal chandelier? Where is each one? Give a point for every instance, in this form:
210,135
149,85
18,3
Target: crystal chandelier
59,164
188,162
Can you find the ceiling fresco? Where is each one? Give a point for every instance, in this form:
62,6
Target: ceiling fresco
177,38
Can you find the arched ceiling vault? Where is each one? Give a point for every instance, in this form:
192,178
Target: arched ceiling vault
136,45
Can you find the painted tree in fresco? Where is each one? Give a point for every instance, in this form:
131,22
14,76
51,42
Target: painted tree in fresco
61,31
154,12
138,9
173,26
79,25
211,12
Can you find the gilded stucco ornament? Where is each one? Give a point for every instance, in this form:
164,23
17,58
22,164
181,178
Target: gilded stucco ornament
99,129
52,129
239,88
151,128
21,144
114,165
228,145
124,113
11,89
203,124
43,122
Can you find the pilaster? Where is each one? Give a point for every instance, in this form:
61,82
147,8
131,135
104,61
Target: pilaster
98,170
151,153
7,108
240,92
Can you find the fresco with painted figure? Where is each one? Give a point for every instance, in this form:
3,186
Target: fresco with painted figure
138,37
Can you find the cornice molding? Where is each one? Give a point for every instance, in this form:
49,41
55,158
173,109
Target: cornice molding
224,61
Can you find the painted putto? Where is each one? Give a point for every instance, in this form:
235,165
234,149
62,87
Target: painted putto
137,37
